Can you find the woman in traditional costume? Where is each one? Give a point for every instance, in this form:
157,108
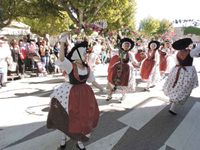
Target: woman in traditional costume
149,70
140,53
73,108
183,77
163,58
167,59
121,76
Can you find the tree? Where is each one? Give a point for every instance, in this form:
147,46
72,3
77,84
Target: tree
13,9
52,25
117,13
191,30
88,11
149,26
165,26
84,13
7,12
154,27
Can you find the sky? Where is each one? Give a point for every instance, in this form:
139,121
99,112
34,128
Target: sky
167,9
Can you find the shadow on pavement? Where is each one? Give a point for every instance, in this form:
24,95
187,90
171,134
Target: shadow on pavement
153,135
52,81
38,93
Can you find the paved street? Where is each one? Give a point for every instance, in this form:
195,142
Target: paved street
140,122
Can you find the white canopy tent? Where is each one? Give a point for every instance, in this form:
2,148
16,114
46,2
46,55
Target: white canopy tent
15,29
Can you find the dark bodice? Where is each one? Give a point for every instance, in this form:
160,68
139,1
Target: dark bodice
151,54
75,78
162,53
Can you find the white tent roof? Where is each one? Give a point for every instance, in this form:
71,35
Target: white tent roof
19,25
15,28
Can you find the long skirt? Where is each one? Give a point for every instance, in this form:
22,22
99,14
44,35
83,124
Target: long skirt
187,81
146,68
73,110
112,62
127,79
119,72
163,64
140,56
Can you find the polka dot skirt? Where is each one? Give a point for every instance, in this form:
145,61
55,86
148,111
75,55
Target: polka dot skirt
187,81
62,94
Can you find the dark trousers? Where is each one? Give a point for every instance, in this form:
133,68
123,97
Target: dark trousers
21,65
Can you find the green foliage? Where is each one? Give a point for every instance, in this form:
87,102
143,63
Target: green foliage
165,26
52,25
154,28
8,11
149,26
46,14
13,9
191,30
118,14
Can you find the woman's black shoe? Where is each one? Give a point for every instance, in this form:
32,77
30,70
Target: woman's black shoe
79,147
152,86
62,146
146,90
172,112
108,98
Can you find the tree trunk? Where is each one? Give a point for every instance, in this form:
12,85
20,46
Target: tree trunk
66,6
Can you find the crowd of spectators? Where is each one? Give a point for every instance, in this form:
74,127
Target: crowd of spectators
38,56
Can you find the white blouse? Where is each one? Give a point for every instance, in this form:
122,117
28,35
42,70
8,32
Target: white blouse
67,66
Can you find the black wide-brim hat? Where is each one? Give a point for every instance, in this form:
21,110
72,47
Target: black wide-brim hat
182,43
156,42
126,40
75,48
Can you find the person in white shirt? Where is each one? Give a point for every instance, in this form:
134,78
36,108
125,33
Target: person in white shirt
5,60
92,57
97,47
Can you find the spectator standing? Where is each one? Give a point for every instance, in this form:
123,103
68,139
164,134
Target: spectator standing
15,51
5,60
22,58
56,49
